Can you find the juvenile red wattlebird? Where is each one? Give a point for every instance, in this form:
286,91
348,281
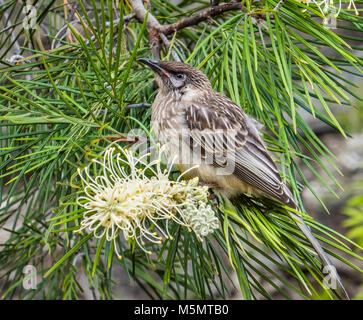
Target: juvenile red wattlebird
199,126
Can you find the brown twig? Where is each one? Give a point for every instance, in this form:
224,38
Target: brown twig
138,105
201,16
118,138
158,32
151,23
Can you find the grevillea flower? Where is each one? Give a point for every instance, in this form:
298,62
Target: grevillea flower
120,196
328,5
201,218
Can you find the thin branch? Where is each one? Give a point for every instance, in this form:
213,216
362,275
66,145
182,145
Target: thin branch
202,16
151,23
138,105
140,12
158,31
126,19
129,17
117,138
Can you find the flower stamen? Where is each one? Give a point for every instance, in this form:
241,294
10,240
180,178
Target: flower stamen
137,205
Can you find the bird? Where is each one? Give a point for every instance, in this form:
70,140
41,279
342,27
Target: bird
212,138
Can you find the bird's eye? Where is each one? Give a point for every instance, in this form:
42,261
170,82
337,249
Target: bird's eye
180,76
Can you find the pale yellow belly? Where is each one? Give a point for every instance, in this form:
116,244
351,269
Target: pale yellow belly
179,153
228,185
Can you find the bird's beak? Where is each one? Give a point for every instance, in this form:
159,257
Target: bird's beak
154,65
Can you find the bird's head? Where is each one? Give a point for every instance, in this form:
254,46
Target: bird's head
173,76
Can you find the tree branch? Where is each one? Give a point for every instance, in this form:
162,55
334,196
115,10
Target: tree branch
159,32
138,105
151,23
204,15
140,12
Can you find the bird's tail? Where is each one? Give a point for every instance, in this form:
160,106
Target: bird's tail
327,267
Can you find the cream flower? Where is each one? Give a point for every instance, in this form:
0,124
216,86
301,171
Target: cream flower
328,5
120,196
201,218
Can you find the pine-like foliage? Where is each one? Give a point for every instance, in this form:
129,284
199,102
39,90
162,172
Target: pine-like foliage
69,79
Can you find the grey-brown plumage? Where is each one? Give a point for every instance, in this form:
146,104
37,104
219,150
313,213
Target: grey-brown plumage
199,126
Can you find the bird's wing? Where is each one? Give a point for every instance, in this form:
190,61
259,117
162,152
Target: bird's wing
224,133
253,164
